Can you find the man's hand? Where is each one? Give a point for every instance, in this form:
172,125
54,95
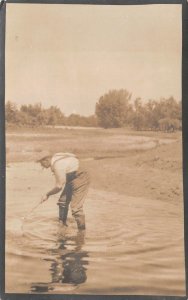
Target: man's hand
44,198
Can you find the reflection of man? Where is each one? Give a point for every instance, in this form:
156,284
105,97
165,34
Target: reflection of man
70,266
71,181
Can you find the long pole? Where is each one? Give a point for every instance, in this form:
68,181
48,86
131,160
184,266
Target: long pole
35,207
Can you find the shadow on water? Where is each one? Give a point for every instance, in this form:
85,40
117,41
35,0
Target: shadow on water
69,266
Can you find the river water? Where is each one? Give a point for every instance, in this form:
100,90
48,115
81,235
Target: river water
132,246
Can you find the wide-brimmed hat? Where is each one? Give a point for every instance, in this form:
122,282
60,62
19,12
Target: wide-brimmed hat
42,155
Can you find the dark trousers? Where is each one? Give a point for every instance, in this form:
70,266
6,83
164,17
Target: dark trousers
74,193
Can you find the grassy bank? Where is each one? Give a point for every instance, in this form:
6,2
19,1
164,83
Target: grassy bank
23,144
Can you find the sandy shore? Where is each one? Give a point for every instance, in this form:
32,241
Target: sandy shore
155,173
147,164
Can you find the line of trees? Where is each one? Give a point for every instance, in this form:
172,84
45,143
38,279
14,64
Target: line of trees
114,109
34,115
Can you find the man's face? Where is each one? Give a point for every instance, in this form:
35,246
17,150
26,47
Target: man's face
45,163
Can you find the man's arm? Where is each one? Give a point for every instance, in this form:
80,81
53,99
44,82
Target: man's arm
53,191
60,177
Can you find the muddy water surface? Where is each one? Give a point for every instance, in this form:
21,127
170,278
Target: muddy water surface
131,245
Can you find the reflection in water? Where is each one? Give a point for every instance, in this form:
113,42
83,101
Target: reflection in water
137,256
69,265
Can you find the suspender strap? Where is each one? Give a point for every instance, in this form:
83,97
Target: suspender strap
62,157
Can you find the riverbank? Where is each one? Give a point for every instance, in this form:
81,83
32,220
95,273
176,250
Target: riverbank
140,164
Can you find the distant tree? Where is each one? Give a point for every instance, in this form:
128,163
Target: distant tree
54,116
167,108
78,120
140,116
147,115
32,109
151,121
91,121
113,108
25,119
31,114
11,112
169,125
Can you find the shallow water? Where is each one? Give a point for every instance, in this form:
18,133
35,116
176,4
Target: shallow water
131,245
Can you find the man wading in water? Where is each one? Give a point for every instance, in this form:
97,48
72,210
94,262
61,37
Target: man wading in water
71,181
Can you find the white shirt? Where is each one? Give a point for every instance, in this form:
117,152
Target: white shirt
61,164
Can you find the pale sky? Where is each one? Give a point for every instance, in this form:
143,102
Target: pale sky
70,55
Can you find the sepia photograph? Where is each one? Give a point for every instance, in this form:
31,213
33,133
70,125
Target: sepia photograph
94,176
